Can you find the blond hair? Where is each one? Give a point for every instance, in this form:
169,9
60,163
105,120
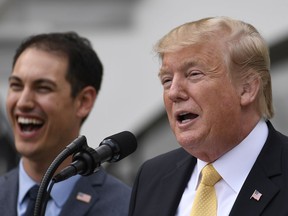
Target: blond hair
245,51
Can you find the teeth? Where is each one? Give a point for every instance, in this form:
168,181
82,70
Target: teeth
182,114
23,120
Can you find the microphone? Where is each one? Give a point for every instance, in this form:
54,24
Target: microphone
88,160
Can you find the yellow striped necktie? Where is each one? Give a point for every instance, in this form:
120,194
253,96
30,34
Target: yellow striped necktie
205,202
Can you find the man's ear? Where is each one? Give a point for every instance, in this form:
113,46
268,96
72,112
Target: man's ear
85,101
249,90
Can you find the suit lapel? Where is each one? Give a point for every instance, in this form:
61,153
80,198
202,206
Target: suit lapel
9,193
261,178
82,197
245,204
173,185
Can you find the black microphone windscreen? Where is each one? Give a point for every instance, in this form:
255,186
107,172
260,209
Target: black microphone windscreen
126,141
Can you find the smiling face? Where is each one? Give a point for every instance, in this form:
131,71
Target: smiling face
42,112
202,104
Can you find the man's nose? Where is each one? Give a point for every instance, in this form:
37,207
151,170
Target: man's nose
177,91
26,99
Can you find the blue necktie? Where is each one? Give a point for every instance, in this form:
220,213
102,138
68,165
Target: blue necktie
31,195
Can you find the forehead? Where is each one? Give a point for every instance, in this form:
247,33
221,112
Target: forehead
205,56
34,63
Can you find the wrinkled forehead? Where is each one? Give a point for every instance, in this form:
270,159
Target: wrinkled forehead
206,57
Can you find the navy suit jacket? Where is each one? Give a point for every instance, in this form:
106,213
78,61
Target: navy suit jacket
109,196
161,181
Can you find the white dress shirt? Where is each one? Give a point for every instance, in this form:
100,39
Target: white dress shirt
234,167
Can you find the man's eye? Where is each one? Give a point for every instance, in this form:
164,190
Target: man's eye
195,74
44,89
166,82
15,86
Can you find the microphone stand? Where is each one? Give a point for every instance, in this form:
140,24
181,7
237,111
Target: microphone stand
43,195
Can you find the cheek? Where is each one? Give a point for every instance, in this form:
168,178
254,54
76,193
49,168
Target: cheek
224,115
223,104
61,111
11,101
55,103
168,104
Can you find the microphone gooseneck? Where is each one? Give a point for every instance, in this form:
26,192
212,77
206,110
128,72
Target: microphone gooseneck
42,196
88,160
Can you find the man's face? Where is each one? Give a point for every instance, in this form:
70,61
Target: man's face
202,104
39,104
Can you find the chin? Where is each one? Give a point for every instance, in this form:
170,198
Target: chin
190,141
185,142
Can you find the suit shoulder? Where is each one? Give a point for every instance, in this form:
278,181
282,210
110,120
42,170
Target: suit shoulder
7,177
276,137
167,160
109,196
173,155
101,180
283,138
275,134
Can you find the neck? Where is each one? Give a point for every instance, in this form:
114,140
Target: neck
36,170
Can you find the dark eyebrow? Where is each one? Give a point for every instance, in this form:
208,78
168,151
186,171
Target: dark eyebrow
14,78
37,82
45,81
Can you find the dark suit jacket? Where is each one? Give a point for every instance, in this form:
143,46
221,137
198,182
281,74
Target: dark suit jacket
161,182
110,197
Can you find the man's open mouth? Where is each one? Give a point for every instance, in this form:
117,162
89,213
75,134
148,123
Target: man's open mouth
29,124
185,117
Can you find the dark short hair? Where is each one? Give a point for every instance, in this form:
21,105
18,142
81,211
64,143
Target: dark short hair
84,66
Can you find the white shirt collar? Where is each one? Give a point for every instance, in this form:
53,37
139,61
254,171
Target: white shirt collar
235,165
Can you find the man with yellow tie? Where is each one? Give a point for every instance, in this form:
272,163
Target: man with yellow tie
215,74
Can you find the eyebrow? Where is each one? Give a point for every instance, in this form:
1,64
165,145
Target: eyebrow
189,63
11,78
37,82
162,72
186,64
